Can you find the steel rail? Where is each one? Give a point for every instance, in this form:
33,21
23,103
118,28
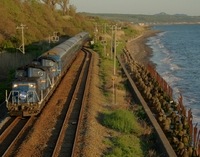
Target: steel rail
72,106
9,129
17,137
83,102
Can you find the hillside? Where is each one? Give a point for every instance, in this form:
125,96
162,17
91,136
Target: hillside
39,22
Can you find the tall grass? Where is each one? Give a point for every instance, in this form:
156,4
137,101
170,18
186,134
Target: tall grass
123,121
132,139
126,146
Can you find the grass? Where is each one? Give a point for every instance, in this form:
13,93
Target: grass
123,121
130,135
126,146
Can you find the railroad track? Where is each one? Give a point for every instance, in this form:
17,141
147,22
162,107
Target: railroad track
67,138
65,132
13,135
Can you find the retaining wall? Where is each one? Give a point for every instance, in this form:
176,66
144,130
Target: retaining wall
165,147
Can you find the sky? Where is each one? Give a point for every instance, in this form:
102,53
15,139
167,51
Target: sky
146,7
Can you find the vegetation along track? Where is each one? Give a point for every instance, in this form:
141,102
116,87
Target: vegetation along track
56,129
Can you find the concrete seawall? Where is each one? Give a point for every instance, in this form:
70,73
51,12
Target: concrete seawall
165,147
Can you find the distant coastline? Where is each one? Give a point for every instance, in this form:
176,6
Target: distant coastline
156,19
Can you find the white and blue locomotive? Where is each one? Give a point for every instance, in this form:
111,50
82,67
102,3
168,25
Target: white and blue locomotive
34,83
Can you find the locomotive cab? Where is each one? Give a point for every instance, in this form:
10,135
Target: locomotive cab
29,90
25,96
51,59
48,61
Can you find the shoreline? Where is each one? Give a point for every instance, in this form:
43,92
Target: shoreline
140,50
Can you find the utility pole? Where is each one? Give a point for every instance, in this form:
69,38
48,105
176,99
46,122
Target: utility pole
114,73
95,33
115,46
22,27
115,55
104,40
111,44
115,51
113,80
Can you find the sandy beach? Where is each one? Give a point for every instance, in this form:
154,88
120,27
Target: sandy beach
142,52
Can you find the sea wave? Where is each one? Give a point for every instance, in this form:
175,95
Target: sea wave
166,60
174,67
176,52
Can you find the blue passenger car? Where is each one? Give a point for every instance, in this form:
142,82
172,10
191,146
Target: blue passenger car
35,83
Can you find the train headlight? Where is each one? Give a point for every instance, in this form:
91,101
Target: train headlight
22,95
15,85
31,85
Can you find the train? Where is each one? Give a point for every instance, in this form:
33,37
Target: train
34,83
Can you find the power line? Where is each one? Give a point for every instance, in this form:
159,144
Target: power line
22,27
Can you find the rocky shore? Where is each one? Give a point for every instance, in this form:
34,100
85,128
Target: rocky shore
139,49
171,116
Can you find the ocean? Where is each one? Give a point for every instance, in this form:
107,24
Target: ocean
176,53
